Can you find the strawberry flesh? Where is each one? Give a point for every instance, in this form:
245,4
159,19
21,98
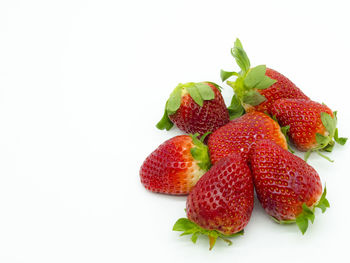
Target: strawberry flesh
304,120
283,88
240,134
283,181
193,118
171,168
223,198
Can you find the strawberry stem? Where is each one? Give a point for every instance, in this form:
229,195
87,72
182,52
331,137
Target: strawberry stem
204,136
324,156
248,82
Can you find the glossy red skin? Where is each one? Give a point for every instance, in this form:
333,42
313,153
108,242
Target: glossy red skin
192,118
170,169
223,198
283,181
304,119
283,88
240,134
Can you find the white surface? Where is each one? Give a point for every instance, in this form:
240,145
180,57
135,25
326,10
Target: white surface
82,85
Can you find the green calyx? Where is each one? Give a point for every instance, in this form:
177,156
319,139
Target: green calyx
199,92
326,142
190,228
248,81
307,214
235,109
200,151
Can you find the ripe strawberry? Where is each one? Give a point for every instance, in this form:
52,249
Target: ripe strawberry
312,126
176,165
221,203
240,134
287,187
257,88
195,108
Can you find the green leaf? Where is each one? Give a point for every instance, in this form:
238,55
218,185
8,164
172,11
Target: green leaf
275,119
308,213
200,153
283,222
240,56
226,74
307,155
323,203
183,224
253,98
195,95
204,136
322,140
187,232
214,84
302,220
335,114
196,153
339,140
205,91
174,101
303,224
238,43
285,130
212,240
265,83
238,87
188,227
235,109
329,147
195,237
329,123
254,76
165,122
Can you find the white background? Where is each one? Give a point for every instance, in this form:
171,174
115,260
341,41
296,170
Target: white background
82,85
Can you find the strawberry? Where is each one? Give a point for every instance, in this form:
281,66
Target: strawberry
195,108
240,134
176,165
312,126
287,187
257,88
221,203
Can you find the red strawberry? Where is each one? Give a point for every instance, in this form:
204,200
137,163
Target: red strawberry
312,126
257,88
283,88
195,108
221,203
287,187
240,134
176,165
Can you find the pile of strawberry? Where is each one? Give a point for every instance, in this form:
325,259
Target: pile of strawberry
230,151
